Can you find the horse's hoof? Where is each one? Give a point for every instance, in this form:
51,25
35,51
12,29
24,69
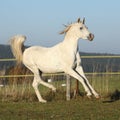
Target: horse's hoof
43,101
89,96
54,89
97,96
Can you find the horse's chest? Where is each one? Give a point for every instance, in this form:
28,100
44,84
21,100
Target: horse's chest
74,62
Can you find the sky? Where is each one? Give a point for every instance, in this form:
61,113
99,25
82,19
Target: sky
42,20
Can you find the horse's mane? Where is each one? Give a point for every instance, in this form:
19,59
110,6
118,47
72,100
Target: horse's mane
67,27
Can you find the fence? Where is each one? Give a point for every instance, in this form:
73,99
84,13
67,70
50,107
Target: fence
68,82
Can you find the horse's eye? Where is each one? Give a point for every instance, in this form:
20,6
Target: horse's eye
81,28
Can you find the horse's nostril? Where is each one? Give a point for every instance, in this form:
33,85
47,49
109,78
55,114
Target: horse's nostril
91,37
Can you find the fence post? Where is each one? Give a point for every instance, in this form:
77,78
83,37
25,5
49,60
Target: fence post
68,87
76,90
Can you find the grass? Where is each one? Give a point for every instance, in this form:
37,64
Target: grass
20,102
76,109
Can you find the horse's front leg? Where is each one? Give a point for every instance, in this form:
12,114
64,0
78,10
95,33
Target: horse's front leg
80,71
76,75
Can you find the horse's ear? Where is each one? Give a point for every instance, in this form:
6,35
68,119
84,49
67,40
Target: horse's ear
78,20
83,21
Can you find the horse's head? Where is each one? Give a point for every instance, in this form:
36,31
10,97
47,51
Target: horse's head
78,30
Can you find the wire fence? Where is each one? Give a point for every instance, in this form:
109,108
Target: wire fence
104,83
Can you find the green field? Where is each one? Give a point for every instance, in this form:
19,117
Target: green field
76,109
19,102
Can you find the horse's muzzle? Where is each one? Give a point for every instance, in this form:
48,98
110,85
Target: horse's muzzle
91,37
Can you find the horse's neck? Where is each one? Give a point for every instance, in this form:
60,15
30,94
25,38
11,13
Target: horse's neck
70,43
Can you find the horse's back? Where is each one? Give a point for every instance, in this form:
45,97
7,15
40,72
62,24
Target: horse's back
35,52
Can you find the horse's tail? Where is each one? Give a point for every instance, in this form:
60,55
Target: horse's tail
17,47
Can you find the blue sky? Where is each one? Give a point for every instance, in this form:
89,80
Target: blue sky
42,20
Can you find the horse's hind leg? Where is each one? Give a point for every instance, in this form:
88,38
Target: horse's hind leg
35,85
48,85
36,82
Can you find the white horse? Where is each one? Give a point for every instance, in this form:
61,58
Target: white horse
63,57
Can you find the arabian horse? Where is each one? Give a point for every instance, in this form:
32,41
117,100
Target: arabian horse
63,57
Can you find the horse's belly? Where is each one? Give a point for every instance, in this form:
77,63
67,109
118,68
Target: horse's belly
50,68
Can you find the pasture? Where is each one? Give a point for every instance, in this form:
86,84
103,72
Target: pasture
20,102
78,109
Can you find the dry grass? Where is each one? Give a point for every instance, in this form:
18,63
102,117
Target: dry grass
105,86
